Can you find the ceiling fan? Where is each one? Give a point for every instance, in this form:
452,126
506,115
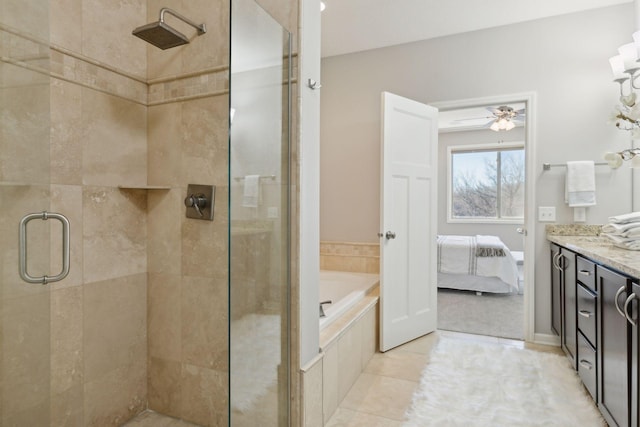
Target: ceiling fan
502,118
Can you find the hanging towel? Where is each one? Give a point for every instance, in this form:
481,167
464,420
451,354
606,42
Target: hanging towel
580,187
251,195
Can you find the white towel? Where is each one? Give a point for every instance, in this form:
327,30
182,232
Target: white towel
619,239
251,195
631,229
630,246
580,187
625,218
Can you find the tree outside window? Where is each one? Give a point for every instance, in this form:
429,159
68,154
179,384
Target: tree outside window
487,184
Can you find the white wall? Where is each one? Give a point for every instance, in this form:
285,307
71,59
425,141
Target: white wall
563,59
309,181
506,232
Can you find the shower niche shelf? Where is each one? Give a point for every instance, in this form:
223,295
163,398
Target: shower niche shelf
143,187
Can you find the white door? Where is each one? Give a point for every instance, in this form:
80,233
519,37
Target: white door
408,288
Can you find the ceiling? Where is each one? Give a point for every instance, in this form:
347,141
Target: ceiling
355,25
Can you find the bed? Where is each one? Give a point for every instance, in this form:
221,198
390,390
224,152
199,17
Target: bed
476,263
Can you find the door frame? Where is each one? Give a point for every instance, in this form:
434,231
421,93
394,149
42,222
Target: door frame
529,99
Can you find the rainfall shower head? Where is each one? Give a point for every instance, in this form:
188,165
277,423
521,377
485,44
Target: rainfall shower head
163,36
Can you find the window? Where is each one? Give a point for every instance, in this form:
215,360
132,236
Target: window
486,184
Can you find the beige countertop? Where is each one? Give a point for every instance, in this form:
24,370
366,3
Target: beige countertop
601,250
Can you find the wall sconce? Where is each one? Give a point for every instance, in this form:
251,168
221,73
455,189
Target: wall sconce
625,67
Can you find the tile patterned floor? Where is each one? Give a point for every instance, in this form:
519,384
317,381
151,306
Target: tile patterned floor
383,392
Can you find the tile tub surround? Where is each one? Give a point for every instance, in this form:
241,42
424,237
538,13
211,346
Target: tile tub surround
600,249
353,257
347,346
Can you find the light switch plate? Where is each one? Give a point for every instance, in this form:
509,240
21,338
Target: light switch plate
580,214
546,213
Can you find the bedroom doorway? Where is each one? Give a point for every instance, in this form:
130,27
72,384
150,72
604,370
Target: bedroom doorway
486,157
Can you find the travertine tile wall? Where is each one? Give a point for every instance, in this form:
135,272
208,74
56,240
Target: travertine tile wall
354,257
188,296
98,142
142,317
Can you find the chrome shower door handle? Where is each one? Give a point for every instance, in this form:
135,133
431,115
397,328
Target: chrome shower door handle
23,248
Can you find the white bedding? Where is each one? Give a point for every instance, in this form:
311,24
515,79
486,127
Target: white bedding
457,255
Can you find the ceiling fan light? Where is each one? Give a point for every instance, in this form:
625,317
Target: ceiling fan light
494,126
510,125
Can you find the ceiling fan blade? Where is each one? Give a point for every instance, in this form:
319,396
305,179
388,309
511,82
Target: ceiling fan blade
469,119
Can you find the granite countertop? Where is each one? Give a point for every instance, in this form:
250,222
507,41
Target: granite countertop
600,249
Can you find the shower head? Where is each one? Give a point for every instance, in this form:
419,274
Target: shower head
163,36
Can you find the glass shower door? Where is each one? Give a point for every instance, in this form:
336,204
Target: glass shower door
259,218
24,188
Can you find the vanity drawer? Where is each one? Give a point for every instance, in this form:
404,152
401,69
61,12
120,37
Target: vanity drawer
587,313
587,366
586,272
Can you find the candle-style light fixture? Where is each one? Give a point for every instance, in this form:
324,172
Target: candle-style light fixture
626,72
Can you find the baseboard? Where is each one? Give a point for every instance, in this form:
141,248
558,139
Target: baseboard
546,339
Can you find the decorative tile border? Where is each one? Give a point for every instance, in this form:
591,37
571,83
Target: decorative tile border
353,257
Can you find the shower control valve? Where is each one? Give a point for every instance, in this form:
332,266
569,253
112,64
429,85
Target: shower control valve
200,201
196,201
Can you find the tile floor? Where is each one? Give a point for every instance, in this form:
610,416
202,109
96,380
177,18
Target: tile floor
383,392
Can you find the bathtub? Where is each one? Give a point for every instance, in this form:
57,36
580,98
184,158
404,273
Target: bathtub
344,289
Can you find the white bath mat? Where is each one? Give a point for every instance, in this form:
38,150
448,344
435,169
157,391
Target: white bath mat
255,356
471,384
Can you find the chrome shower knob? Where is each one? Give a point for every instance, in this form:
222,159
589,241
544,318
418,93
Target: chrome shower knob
197,202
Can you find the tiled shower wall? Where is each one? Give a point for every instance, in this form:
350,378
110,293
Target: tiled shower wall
188,294
142,317
98,142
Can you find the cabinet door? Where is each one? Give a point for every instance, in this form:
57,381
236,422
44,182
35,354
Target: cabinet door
569,320
634,315
556,278
613,344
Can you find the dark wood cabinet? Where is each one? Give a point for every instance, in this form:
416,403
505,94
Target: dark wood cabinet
567,262
556,293
614,397
632,309
563,299
596,310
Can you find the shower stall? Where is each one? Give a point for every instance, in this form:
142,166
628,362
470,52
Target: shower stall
117,301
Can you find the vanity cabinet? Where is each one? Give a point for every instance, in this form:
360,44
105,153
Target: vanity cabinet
563,300
556,294
596,311
614,399
632,309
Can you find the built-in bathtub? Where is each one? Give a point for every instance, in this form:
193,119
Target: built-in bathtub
344,290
